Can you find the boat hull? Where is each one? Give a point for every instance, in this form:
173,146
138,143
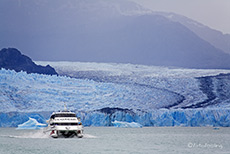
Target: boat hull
64,131
66,134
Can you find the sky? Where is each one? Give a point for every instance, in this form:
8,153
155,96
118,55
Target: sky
212,13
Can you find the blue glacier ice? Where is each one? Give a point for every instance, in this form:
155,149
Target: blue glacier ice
123,124
22,92
162,117
13,119
103,93
31,124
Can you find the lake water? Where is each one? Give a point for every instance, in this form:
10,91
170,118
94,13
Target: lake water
152,140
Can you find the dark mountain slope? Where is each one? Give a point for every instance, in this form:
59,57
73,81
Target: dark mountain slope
215,37
154,40
12,59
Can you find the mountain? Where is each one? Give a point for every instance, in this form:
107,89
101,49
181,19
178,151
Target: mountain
117,31
154,40
12,59
214,37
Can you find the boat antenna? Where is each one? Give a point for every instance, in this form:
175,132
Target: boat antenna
65,108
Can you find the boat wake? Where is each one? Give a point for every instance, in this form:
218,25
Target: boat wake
89,136
37,134
40,135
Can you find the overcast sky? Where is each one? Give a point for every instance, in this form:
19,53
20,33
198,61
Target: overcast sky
212,13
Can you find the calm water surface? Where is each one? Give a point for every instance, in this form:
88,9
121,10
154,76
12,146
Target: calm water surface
152,140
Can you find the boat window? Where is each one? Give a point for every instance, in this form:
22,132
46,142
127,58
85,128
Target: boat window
65,115
65,124
52,117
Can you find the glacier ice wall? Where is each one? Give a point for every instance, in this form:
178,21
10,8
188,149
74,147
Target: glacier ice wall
159,118
163,117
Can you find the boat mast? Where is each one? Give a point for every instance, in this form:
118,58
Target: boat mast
65,108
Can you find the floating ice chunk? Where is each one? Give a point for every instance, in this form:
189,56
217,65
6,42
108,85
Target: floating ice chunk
31,124
126,124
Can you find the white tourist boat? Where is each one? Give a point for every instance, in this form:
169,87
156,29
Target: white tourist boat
64,124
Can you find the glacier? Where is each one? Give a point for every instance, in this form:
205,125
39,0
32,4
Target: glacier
31,124
159,118
101,93
122,124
